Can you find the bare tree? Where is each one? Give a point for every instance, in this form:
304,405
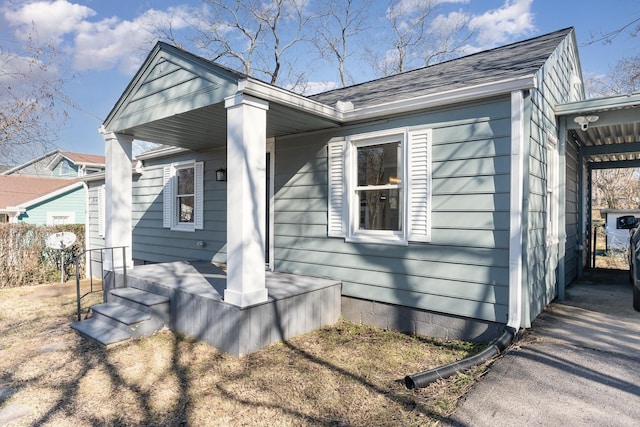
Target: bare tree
616,188
632,28
253,36
340,23
622,79
420,36
30,99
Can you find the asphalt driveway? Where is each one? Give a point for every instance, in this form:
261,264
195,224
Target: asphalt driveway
579,365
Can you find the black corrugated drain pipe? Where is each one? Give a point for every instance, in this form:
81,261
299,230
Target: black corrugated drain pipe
425,378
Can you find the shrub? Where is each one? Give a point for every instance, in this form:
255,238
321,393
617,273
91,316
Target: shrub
25,258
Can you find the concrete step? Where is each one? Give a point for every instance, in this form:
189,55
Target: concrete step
137,298
135,322
130,313
101,332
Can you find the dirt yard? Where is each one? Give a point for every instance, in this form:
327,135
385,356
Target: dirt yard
344,375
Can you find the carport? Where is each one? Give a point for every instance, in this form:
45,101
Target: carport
602,133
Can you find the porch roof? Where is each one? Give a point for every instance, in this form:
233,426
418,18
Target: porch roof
613,139
178,99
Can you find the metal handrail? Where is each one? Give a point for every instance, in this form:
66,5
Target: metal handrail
76,260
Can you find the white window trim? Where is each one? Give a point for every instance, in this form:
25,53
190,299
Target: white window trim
71,217
354,234
343,218
169,197
552,196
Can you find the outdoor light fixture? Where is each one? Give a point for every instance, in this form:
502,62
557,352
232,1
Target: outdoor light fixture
584,121
221,175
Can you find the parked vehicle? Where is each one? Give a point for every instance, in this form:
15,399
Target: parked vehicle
633,225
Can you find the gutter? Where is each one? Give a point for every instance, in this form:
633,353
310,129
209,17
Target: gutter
345,112
423,379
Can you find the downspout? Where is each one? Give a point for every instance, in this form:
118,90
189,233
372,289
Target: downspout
423,379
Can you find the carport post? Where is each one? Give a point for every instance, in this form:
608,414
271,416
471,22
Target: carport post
581,220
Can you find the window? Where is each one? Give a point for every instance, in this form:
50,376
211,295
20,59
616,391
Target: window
380,187
182,198
65,168
60,218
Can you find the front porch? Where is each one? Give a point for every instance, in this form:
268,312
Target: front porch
295,305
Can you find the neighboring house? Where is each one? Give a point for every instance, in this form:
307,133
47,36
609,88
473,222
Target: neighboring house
60,164
46,190
43,201
436,197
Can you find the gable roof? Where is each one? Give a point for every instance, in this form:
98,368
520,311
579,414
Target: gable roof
508,62
24,191
169,82
77,158
30,162
84,159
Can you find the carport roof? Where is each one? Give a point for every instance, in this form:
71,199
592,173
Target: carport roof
613,140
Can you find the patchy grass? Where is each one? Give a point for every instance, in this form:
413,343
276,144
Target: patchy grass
346,374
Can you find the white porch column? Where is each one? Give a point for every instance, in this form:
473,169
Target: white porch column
246,205
117,200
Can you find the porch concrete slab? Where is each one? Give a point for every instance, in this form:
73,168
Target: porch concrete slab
577,365
208,280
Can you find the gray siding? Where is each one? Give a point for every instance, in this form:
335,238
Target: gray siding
541,256
152,242
37,168
463,271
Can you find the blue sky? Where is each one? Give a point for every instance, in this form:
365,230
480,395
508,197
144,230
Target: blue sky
102,42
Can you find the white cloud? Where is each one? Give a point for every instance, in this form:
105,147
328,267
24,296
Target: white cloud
408,7
115,43
93,45
311,88
51,20
442,24
502,25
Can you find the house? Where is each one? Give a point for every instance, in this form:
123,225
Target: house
46,191
436,198
59,164
43,201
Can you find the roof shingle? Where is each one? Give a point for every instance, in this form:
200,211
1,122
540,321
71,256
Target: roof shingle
16,190
506,62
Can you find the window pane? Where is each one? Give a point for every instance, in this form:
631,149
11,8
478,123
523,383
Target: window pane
378,164
186,208
380,210
185,181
